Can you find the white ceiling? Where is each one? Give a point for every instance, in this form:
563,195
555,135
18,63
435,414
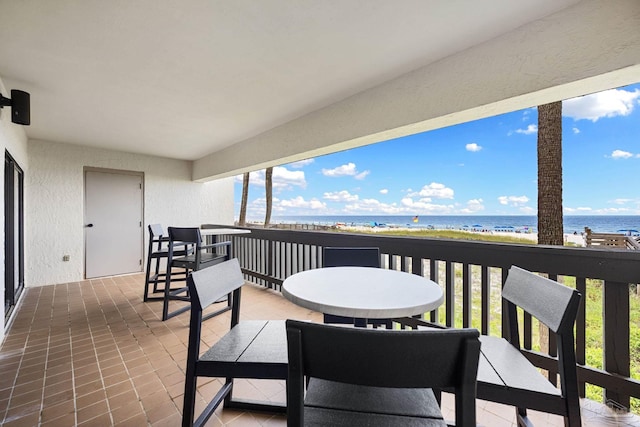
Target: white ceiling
185,78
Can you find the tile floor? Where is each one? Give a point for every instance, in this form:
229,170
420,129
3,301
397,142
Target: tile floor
93,354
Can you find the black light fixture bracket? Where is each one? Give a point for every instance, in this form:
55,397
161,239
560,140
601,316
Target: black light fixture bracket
20,106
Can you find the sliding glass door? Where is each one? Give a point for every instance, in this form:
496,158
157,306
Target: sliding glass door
13,233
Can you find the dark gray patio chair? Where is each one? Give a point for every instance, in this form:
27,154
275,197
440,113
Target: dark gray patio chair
366,377
180,256
509,377
505,373
156,252
251,349
352,257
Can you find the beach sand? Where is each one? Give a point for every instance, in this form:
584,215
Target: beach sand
576,239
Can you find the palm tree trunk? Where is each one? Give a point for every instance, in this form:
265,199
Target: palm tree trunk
242,221
268,187
550,224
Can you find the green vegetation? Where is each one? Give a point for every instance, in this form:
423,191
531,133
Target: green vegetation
593,301
452,234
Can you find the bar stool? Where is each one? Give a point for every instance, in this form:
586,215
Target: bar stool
157,251
200,256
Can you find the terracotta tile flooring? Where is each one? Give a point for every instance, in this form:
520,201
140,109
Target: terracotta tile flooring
93,354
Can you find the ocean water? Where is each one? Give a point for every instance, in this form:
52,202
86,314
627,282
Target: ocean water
520,223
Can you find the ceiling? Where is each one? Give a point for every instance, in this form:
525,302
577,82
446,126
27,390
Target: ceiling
186,78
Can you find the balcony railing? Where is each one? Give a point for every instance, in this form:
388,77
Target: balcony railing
471,275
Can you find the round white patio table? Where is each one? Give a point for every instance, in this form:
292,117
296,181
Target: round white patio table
363,292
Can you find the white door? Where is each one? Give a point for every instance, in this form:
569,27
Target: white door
113,223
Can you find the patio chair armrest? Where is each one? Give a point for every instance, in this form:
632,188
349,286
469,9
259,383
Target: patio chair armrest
160,239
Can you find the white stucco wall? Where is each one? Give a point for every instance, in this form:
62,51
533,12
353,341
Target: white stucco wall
13,140
55,188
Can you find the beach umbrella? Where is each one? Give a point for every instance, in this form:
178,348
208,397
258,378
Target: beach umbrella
477,225
629,232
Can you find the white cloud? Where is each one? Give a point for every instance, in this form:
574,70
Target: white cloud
300,202
373,206
527,210
473,147
603,211
473,206
300,164
423,206
362,175
434,190
384,191
529,130
340,196
238,178
257,178
282,178
513,200
621,201
345,170
613,211
619,154
610,103
408,206
575,130
257,207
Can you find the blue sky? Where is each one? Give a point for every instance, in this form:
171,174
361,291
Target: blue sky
484,167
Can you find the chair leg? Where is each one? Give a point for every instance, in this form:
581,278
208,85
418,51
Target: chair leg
360,323
167,289
522,419
146,280
228,397
172,294
155,283
189,402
